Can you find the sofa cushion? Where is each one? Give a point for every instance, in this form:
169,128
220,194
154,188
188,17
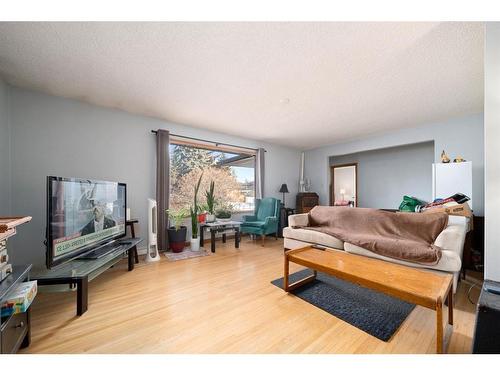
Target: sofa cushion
313,237
449,262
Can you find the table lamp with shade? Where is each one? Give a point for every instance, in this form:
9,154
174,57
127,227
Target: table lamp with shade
284,189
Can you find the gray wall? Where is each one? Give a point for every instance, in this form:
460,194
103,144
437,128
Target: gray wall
385,175
63,137
4,150
462,136
492,143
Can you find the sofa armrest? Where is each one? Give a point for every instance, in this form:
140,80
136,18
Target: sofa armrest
452,238
299,220
249,218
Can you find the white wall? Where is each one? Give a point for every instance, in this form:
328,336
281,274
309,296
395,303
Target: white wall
460,136
491,149
4,151
63,137
386,175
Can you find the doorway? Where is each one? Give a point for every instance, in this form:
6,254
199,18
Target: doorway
344,185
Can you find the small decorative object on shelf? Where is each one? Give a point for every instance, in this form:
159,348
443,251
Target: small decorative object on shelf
7,229
459,159
19,299
444,157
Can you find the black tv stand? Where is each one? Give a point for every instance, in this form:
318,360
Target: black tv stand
104,250
80,271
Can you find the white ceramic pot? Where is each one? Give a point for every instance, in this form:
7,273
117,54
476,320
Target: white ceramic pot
195,244
210,218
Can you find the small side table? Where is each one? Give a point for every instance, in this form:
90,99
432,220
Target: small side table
130,223
221,227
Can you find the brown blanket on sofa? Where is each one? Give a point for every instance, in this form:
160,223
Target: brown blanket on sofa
399,235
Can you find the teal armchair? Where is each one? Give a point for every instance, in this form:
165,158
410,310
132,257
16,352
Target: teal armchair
265,219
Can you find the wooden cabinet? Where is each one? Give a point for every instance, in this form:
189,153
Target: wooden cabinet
306,201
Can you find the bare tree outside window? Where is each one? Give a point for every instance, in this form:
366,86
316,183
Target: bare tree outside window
232,173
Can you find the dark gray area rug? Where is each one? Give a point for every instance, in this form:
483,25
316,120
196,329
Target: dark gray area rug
375,313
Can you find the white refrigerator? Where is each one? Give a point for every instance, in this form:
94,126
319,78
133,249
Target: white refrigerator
451,178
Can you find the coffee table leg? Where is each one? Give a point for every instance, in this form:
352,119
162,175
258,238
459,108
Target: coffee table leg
237,238
224,237
439,327
212,240
285,274
450,306
202,237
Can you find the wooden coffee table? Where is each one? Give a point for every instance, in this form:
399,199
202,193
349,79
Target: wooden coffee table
413,285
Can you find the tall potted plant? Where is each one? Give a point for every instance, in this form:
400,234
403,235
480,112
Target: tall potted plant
193,210
177,232
210,196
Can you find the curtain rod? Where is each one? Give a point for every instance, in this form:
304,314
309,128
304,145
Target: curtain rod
204,140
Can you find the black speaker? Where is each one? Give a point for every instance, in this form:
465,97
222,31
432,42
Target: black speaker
487,331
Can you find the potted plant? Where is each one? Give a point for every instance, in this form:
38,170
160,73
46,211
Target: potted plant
202,214
177,231
193,210
210,196
224,212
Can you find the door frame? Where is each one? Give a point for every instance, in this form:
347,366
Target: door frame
332,180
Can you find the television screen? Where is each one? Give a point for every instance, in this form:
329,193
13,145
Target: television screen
81,215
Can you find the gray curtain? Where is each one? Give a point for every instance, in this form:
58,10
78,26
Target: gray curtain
162,186
259,173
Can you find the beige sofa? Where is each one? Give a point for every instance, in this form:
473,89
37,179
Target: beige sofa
451,240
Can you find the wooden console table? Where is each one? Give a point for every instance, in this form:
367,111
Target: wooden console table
413,285
80,271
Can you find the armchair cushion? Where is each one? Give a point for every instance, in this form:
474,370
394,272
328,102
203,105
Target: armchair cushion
254,223
247,218
270,220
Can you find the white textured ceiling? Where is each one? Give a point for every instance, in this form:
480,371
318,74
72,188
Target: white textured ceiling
297,84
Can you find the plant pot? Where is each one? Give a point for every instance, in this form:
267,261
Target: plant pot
195,244
202,217
210,218
177,239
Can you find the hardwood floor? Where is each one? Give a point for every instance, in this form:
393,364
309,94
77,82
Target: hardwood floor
223,303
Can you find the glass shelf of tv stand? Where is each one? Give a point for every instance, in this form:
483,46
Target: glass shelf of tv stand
79,268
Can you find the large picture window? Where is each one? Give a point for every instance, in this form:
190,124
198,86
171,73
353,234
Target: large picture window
233,172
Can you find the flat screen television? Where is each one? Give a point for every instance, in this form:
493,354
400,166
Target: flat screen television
82,215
